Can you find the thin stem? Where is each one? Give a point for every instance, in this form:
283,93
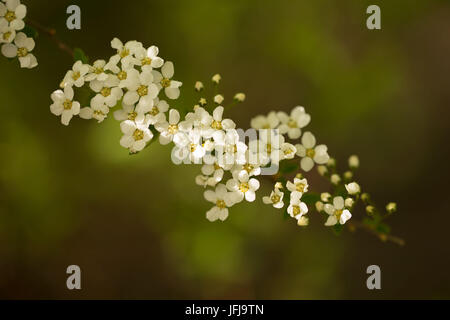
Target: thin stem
382,236
52,34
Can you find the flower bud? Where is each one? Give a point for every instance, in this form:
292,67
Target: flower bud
322,170
216,78
299,175
391,207
365,197
370,210
348,175
331,163
353,162
278,185
240,97
353,188
218,99
198,86
303,221
335,179
325,196
202,102
319,206
349,202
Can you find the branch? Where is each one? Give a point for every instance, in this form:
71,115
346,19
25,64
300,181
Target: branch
52,35
353,225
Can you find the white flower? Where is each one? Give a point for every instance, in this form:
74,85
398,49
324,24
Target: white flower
349,202
188,146
164,80
13,12
128,112
222,200
310,152
143,91
97,71
218,98
98,112
76,76
353,188
63,105
303,221
319,206
336,212
135,135
299,185
200,119
288,151
198,86
297,208
107,91
268,146
292,124
148,58
216,78
125,51
270,121
21,48
230,150
7,34
275,198
251,168
157,113
128,77
213,170
242,186
171,130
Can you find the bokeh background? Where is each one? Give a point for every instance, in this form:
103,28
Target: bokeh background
135,224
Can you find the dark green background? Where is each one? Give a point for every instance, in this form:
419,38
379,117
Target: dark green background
136,226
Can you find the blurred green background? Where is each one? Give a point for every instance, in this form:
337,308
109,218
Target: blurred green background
136,224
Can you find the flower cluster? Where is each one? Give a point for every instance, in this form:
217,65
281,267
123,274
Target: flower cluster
131,81
15,43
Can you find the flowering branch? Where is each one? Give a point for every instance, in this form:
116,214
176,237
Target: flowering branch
133,83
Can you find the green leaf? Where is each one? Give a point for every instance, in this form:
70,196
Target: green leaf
30,32
78,54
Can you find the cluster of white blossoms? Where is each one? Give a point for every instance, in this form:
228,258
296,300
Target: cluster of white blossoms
130,81
15,43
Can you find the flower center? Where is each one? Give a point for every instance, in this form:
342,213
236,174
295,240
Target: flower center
6,35
173,128
142,90
154,111
165,82
76,75
288,151
125,52
146,61
292,123
10,16
98,113
216,166
105,91
67,104
98,70
300,187
296,210
221,204
248,167
269,148
310,153
132,115
192,147
338,213
22,52
122,75
217,125
275,198
244,187
138,135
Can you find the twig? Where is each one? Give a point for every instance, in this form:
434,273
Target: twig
382,236
52,34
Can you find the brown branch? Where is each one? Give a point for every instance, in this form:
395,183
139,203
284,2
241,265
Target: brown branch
52,35
353,225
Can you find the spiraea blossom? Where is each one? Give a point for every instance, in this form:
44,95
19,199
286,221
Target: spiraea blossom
15,44
137,87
